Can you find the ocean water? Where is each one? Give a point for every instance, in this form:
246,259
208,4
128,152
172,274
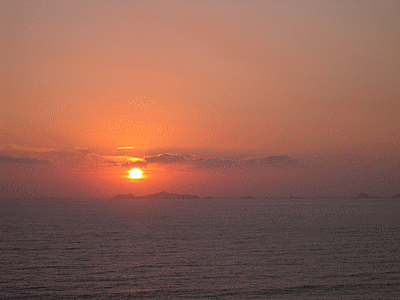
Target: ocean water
200,249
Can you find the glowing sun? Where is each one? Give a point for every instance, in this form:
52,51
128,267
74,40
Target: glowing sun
135,173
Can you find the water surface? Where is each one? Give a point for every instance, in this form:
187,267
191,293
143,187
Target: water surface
206,248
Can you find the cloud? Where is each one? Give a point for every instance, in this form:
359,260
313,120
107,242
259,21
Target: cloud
166,159
278,161
14,147
162,159
274,160
138,164
112,163
213,163
17,149
23,160
209,163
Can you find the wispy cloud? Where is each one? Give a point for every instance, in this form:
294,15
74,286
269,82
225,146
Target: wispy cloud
275,160
213,163
118,160
23,160
166,159
14,147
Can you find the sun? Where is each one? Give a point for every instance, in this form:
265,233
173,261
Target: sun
135,173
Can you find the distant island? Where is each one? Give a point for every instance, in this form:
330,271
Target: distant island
161,195
365,195
166,195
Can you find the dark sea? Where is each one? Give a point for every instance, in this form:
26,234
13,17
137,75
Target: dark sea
200,249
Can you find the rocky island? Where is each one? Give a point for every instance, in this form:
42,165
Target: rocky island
365,195
161,195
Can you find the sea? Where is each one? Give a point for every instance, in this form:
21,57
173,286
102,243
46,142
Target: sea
236,248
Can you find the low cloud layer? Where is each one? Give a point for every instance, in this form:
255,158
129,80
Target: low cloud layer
90,156
212,163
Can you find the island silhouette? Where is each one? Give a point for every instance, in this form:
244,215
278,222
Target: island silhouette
365,195
166,195
160,195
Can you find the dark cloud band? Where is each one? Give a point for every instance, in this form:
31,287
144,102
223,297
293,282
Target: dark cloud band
213,163
23,160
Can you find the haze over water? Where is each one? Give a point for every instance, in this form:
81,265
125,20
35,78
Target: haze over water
217,248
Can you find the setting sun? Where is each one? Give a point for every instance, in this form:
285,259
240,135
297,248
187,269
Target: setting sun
135,173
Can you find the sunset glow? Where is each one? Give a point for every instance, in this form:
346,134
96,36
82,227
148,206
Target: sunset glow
220,98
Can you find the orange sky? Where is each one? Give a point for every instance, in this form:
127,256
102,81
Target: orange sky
220,98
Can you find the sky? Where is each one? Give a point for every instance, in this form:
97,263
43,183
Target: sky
214,98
